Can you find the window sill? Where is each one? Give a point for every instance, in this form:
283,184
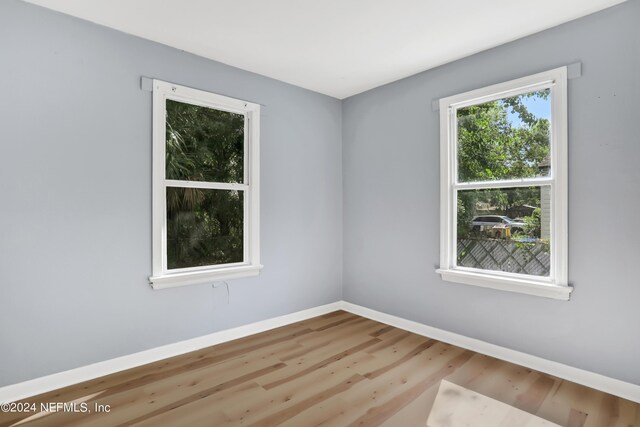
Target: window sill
511,284
173,280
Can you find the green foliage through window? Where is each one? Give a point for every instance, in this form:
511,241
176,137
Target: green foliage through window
532,225
204,226
204,144
492,146
501,140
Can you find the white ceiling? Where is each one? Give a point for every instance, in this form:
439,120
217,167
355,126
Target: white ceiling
336,47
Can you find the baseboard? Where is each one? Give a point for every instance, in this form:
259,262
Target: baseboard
599,382
25,389
47,383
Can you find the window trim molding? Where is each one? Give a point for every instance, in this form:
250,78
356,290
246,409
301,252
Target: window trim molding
556,285
162,277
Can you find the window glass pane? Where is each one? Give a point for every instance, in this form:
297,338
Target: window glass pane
505,229
504,139
204,227
204,144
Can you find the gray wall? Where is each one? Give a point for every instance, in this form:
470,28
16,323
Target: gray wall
391,200
75,197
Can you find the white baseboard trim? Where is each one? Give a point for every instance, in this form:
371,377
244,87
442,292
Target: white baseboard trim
25,389
599,382
47,383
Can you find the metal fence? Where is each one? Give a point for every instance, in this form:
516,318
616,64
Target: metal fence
504,255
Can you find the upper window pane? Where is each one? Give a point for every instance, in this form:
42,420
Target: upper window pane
204,144
508,138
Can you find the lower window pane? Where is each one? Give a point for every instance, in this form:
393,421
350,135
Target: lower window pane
505,229
204,227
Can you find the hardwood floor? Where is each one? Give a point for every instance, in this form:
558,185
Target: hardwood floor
334,370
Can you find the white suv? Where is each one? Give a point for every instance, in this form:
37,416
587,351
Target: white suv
492,220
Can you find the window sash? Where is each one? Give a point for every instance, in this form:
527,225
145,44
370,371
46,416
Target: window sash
206,185
505,183
453,247
526,87
218,105
453,132
246,238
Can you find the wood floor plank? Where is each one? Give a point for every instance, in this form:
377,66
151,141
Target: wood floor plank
318,357
380,413
552,411
408,356
479,370
281,416
134,403
320,321
390,340
629,413
413,414
609,413
210,390
322,343
341,322
206,393
580,398
360,327
507,383
293,392
531,399
323,363
383,388
203,362
171,365
576,418
334,370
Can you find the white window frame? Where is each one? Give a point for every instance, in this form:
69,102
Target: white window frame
556,285
163,277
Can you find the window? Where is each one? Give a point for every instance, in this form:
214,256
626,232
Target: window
503,161
205,187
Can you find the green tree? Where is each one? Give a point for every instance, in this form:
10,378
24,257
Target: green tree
532,224
204,226
491,147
